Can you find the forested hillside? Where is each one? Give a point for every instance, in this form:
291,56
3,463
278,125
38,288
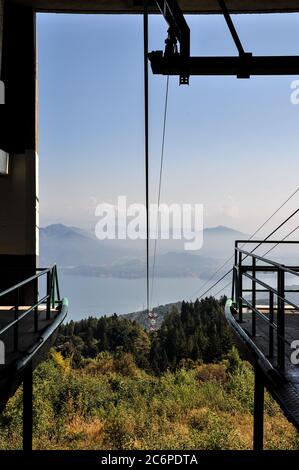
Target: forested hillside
197,332
108,384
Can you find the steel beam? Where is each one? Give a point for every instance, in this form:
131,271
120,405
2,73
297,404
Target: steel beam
281,320
240,67
177,23
231,27
136,6
178,31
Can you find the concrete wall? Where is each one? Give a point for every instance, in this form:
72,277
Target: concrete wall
18,137
18,206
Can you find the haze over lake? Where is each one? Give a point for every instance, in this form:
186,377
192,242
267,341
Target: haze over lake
105,296
102,278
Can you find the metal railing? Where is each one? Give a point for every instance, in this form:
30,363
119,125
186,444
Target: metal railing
50,300
273,313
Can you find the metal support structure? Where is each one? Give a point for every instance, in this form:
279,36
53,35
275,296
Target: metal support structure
24,356
56,283
173,15
279,293
231,27
242,66
48,314
27,408
234,293
253,297
269,358
258,415
238,66
271,319
280,320
52,297
235,274
178,30
240,288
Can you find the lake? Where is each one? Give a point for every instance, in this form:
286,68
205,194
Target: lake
105,296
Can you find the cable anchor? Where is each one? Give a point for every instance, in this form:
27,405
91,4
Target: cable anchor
171,48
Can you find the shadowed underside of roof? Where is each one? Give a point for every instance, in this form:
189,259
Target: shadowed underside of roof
135,6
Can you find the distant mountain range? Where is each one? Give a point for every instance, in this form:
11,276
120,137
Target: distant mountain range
79,252
72,246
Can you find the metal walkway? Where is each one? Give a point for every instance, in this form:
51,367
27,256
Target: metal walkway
27,331
267,331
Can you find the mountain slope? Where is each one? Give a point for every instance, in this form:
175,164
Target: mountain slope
70,246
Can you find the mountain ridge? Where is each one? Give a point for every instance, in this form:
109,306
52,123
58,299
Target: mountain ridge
78,252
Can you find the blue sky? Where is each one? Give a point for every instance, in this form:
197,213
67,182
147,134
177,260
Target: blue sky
231,144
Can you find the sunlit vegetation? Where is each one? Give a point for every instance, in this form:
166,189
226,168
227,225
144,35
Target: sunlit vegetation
198,332
119,398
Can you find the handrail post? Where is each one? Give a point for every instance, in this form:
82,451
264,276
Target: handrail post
234,283
53,288
48,314
234,280
253,298
280,320
16,316
57,284
271,319
240,288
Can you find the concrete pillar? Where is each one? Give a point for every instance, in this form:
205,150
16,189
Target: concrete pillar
18,137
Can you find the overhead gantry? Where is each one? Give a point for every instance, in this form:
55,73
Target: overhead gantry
177,61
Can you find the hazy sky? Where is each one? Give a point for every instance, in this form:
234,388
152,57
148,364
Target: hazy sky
231,144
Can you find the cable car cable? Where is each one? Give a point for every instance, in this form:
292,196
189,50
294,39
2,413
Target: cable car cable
146,141
160,185
242,246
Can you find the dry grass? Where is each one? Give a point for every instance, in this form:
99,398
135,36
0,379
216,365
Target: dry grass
101,408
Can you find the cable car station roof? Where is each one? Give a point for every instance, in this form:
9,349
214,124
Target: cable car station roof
136,6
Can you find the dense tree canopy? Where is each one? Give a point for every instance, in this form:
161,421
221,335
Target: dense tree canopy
87,338
197,332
